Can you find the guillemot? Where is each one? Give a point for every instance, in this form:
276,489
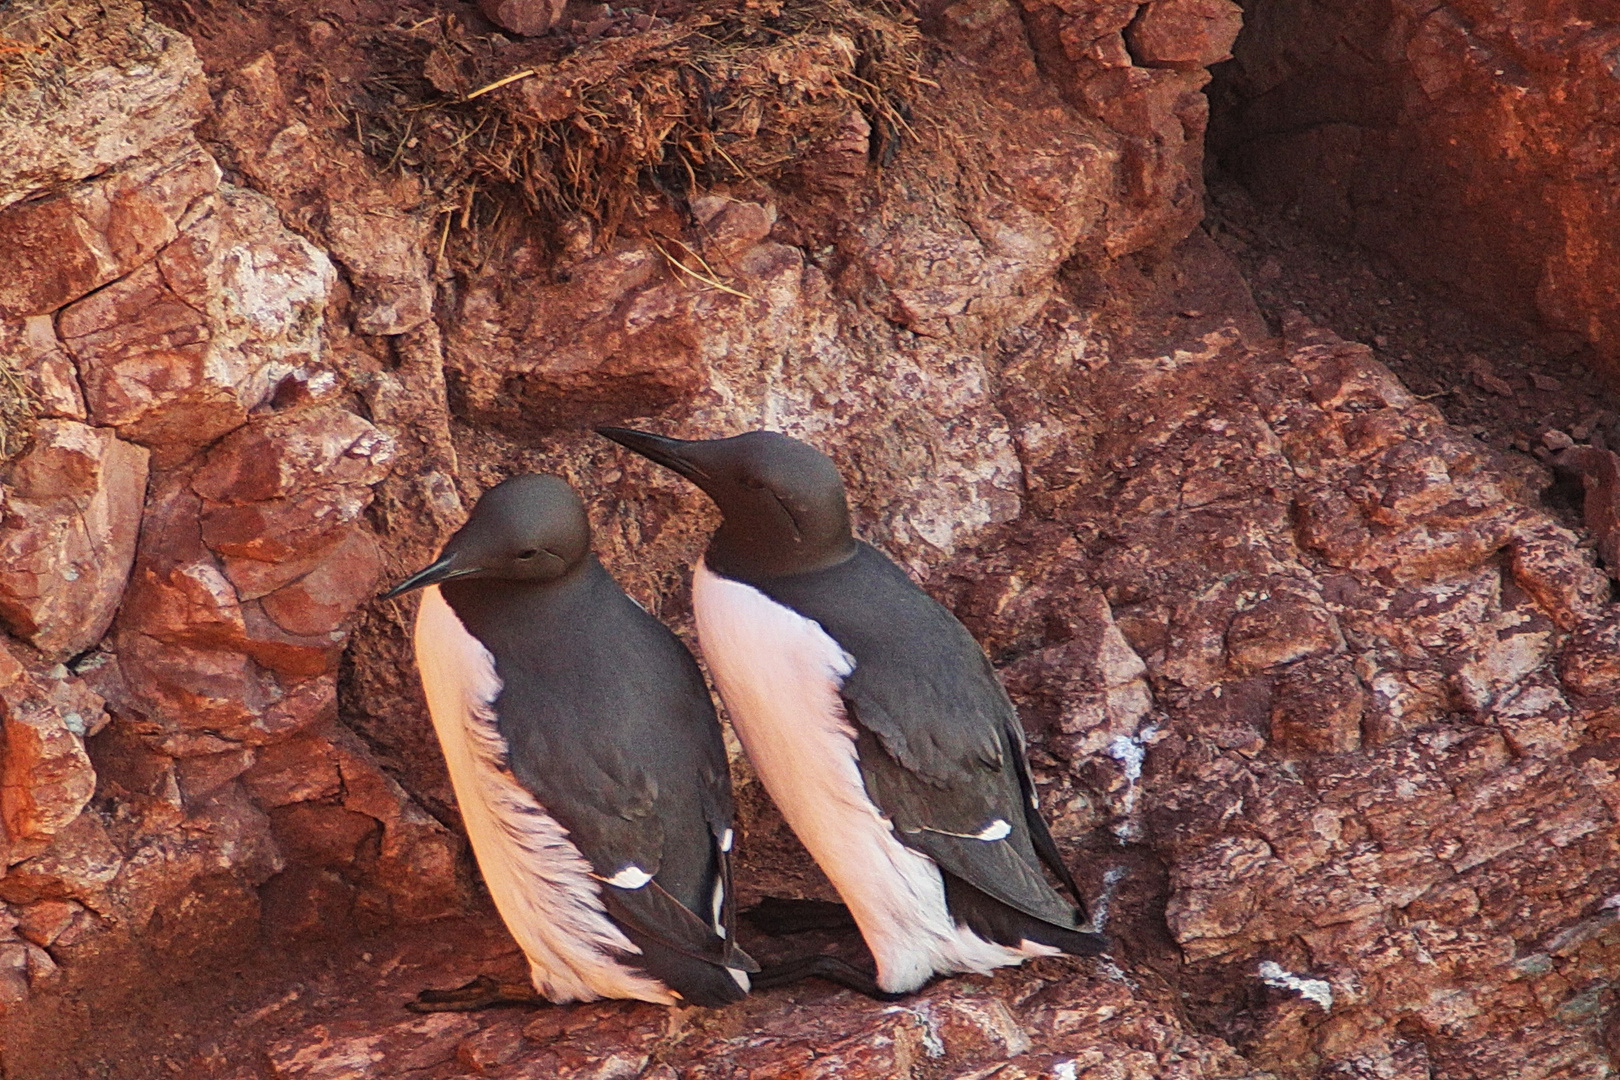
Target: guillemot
586,758
873,718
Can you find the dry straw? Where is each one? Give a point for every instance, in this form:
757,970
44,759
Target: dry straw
724,92
20,51
35,55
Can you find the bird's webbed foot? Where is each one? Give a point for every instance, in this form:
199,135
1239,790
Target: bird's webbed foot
831,968
483,992
778,916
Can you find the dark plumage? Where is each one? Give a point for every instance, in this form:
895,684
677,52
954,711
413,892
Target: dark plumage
600,722
937,742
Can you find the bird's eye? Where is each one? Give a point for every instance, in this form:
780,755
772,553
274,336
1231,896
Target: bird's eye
750,483
529,553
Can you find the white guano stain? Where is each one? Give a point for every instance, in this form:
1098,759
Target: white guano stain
1130,751
933,1045
1105,901
1314,990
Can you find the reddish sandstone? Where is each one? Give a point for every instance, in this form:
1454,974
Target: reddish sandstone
72,513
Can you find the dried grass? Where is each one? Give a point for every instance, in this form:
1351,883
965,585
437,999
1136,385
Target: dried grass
18,409
43,43
731,90
28,37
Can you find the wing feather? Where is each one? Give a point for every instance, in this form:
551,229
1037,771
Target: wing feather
658,915
940,747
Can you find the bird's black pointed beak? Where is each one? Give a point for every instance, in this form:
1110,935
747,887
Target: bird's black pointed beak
674,454
443,570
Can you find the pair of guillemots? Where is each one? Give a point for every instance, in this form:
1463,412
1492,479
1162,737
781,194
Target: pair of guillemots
590,771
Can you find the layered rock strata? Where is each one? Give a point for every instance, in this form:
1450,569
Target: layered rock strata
182,546
1318,696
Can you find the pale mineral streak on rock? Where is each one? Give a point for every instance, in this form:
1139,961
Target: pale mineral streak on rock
176,354
1319,991
1130,751
1102,904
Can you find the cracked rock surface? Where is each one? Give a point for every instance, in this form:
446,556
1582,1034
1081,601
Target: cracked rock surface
1320,696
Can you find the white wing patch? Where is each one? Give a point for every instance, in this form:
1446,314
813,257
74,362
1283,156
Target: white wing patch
541,884
996,830
780,675
631,877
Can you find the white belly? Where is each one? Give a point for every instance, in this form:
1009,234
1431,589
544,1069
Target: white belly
540,882
780,674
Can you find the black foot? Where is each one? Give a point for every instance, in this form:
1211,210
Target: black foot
482,993
780,917
830,968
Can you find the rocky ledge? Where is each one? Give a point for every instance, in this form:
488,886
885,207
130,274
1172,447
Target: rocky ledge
1320,695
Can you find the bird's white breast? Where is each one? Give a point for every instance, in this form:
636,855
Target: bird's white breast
540,882
780,675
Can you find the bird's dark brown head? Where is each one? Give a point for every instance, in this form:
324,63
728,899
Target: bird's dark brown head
782,500
528,528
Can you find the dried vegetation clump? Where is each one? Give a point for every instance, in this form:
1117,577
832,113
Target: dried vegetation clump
720,92
25,37
45,43
17,410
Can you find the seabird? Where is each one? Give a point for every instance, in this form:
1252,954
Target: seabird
586,759
873,718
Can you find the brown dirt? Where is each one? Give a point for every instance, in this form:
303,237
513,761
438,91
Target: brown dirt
1504,383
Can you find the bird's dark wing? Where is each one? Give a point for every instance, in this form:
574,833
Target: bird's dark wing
1040,835
941,752
658,915
950,824
608,724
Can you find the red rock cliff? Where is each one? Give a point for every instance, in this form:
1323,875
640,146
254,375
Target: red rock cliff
1321,701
